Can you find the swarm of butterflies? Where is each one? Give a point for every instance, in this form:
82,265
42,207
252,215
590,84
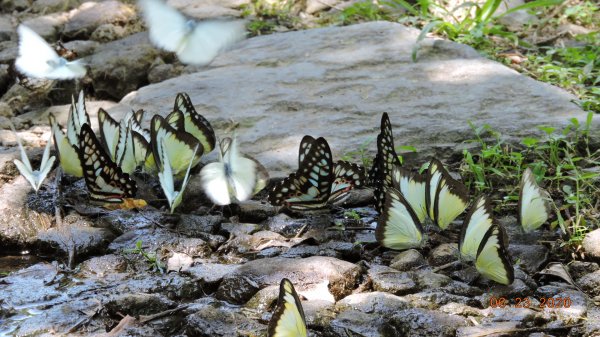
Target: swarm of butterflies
405,200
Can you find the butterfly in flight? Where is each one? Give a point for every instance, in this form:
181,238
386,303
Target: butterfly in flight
194,42
288,319
234,177
38,60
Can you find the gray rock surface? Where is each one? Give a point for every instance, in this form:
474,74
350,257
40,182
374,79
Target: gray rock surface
283,86
591,245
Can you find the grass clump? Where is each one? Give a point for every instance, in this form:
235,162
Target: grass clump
562,159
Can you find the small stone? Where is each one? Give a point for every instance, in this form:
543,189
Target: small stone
408,260
5,110
90,15
591,245
444,253
193,225
578,269
590,283
392,281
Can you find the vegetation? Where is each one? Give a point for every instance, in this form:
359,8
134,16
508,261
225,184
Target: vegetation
151,259
563,157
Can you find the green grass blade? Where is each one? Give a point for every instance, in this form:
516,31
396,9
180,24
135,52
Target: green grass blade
533,4
428,27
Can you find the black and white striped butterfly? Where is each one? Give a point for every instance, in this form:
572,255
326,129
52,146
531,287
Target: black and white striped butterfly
347,176
386,159
310,186
105,180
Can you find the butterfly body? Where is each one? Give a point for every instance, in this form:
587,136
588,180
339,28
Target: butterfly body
384,163
37,59
196,43
233,178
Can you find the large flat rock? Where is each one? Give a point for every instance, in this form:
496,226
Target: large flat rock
335,82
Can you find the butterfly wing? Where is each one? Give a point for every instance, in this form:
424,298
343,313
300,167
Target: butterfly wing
533,208
412,187
288,318
179,143
386,159
105,181
109,133
208,38
476,224
168,29
77,117
446,197
347,176
492,260
398,226
310,186
195,123
67,153
46,165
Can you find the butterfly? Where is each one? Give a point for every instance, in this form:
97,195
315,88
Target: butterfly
492,260
34,177
179,144
77,117
126,147
534,206
105,180
476,224
385,160
234,177
310,186
193,122
446,198
412,187
67,153
347,176
398,226
196,43
288,319
37,59
167,181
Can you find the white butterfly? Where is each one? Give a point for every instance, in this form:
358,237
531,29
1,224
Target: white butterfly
35,177
194,42
166,178
37,59
234,177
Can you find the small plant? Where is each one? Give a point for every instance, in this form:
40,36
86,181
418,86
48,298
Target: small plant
352,214
360,155
562,158
151,258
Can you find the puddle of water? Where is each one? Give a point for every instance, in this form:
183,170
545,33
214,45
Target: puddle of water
11,263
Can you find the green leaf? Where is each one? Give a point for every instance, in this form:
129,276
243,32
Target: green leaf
529,141
406,148
547,129
422,36
533,4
